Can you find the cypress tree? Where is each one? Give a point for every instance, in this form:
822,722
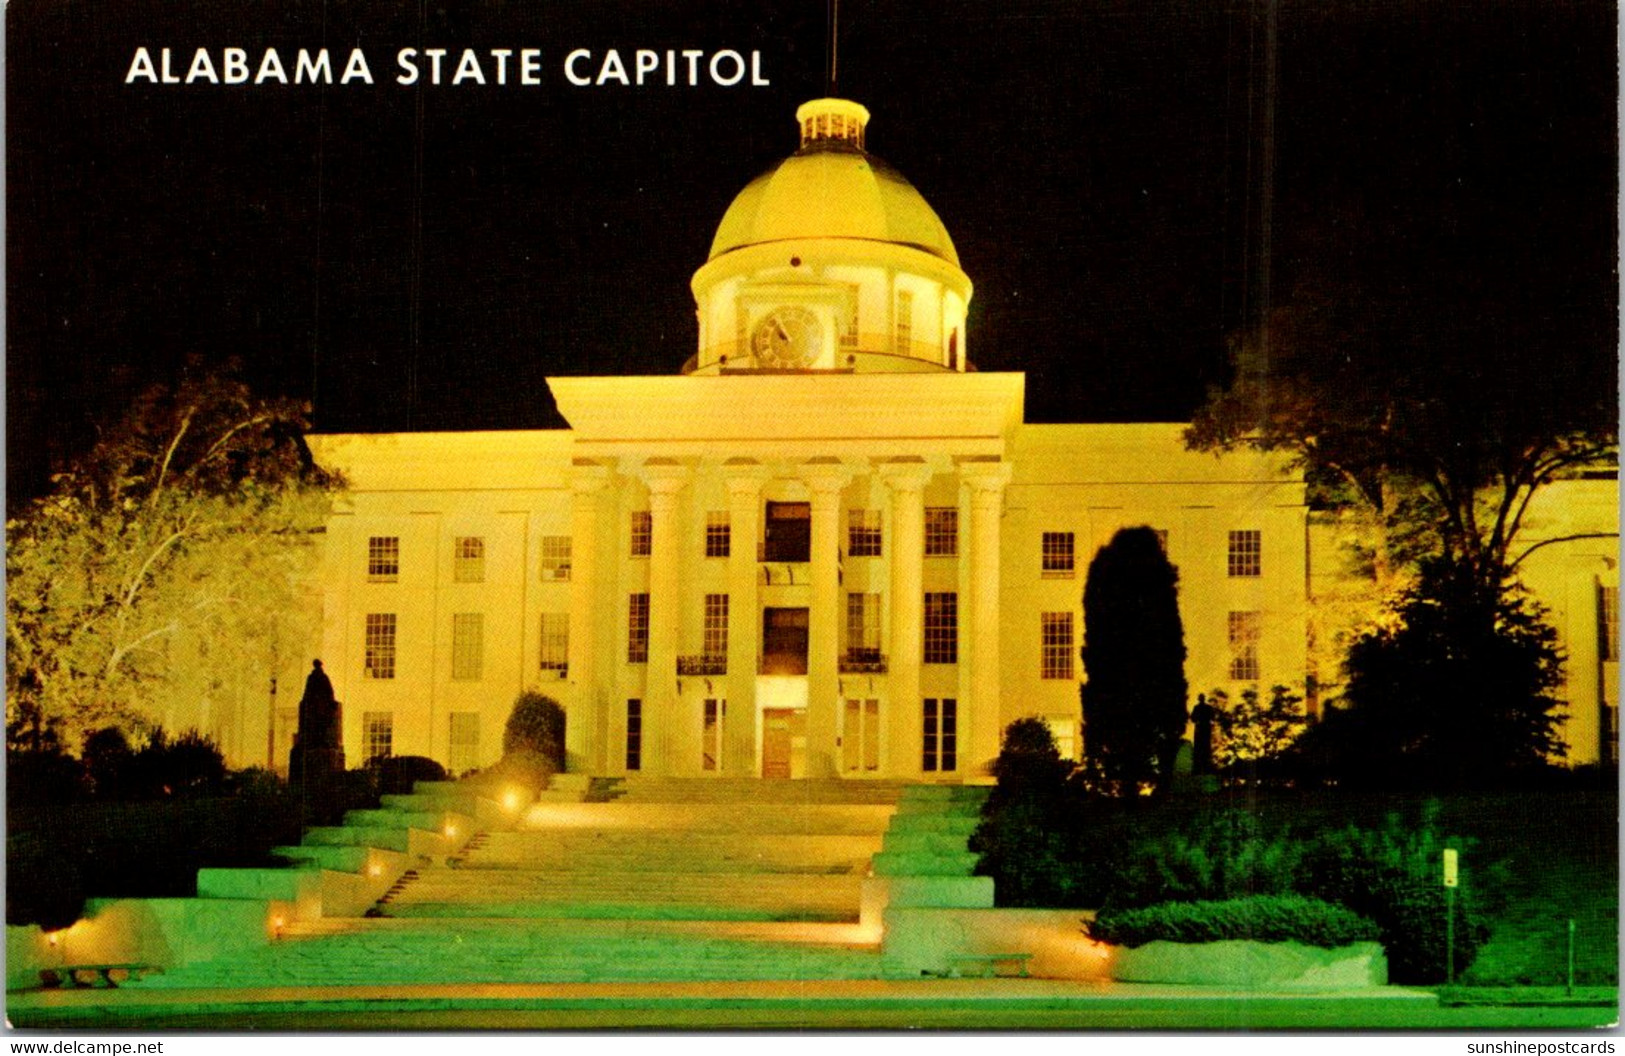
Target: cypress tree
1134,662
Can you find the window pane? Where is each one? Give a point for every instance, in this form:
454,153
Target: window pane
716,626
465,741
555,644
637,629
380,645
941,531
378,734
1244,629
1056,632
718,534
941,644
642,532
1246,553
468,559
556,557
1057,555
383,559
863,533
467,646
634,735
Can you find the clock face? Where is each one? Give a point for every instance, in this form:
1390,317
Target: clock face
787,338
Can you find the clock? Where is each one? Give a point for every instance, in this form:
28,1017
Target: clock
787,338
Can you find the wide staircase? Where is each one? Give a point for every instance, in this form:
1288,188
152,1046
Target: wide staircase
667,879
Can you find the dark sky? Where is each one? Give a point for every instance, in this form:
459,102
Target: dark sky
425,257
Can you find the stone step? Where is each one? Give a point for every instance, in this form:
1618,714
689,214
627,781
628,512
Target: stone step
788,818
903,863
674,851
427,820
509,951
640,789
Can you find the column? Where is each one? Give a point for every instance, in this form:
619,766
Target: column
986,481
744,617
823,627
587,723
664,726
907,549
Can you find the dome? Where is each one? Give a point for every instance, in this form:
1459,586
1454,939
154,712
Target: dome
832,188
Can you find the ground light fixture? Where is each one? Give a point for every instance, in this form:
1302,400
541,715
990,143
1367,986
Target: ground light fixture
511,799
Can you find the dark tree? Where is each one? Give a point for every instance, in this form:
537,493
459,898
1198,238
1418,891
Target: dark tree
1460,692
1134,660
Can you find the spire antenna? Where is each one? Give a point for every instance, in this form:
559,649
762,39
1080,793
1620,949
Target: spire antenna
834,45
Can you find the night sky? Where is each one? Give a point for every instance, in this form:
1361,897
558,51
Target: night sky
424,257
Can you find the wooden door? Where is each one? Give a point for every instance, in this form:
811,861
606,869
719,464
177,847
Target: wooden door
784,742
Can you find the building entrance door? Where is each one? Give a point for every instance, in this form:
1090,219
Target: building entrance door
784,742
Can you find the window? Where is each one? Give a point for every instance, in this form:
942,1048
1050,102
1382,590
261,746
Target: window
789,532
940,735
849,335
642,533
1607,623
1058,555
637,629
378,734
467,646
383,559
554,653
556,557
941,531
1057,644
634,735
380,645
1246,553
905,322
1065,733
468,559
711,734
860,736
941,628
863,533
784,641
718,534
1244,634
716,627
863,627
465,742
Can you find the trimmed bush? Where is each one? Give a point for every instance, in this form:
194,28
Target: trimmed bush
398,773
1259,918
1021,838
530,770
536,725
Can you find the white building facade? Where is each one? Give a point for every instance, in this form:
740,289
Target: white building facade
827,547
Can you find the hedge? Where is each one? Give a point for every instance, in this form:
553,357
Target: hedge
1260,918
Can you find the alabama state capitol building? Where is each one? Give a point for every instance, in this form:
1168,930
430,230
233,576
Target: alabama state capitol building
827,546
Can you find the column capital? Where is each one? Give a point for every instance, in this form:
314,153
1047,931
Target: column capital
744,480
905,477
588,478
664,478
986,478
825,480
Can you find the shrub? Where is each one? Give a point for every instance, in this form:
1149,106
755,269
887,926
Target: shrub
43,777
1021,838
43,884
1212,854
536,725
530,770
1260,918
189,765
398,773
1391,875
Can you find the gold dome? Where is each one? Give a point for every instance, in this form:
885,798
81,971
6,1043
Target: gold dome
832,188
